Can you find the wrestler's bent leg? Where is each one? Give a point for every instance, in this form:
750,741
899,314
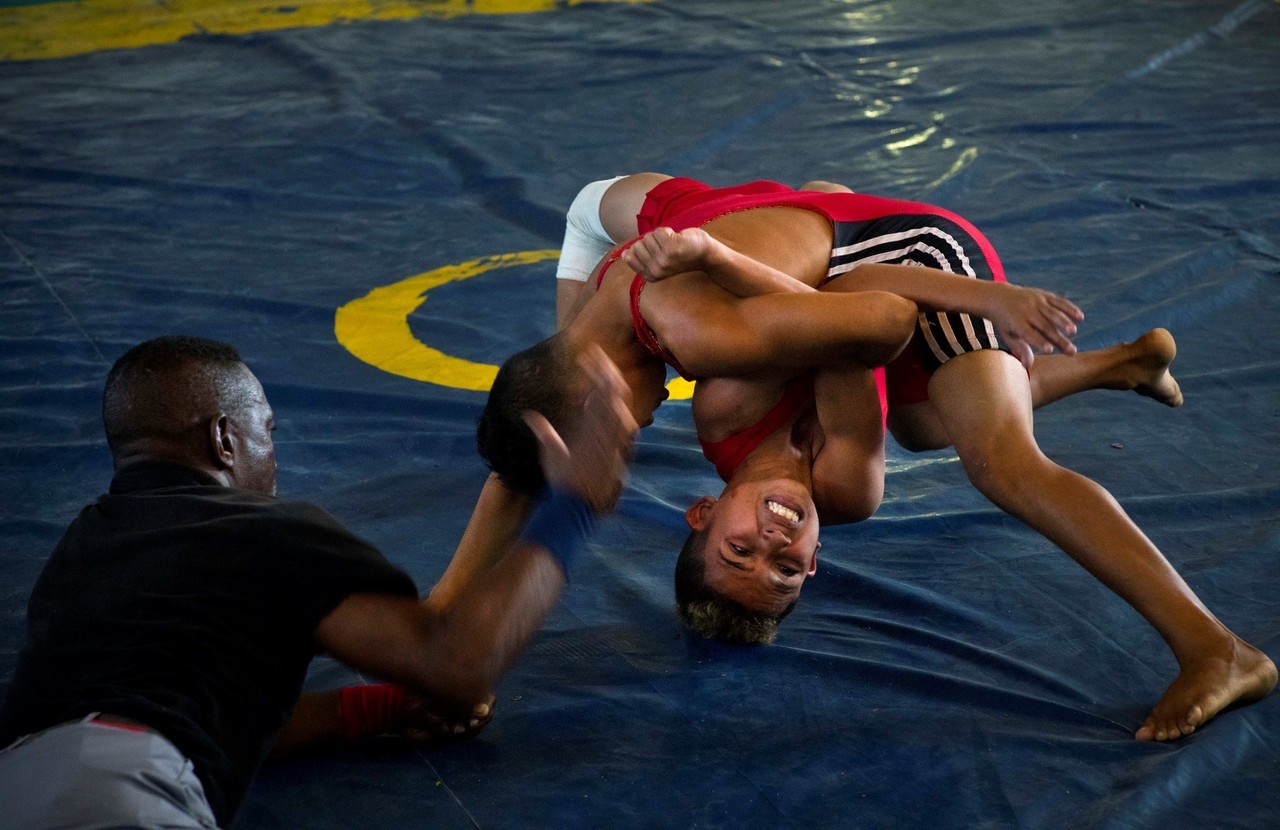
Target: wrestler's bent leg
984,401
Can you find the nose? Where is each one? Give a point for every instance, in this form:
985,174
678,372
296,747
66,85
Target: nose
776,535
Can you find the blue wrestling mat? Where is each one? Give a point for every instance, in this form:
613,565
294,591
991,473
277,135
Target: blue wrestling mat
366,199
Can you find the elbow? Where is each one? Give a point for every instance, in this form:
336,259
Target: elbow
449,666
900,315
463,685
849,507
896,318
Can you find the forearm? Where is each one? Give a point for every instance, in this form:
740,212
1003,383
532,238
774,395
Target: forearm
482,635
815,331
491,624
743,276
499,514
692,252
929,288
455,651
374,710
316,720
456,654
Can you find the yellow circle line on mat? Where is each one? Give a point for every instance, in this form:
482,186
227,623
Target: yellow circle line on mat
76,27
375,328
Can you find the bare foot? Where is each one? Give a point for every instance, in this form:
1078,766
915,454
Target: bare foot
1154,351
1204,689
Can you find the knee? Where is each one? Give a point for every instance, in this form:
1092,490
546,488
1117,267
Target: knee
825,187
918,441
916,427
999,472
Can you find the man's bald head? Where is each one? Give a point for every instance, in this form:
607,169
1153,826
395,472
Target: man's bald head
161,395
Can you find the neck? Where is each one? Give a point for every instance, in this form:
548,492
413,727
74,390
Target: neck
643,373
169,455
784,454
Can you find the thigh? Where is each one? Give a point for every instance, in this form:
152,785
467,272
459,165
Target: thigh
983,401
623,201
85,775
916,427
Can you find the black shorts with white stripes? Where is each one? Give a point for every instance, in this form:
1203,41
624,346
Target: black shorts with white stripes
928,241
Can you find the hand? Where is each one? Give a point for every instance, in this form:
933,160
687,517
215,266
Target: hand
664,253
1031,320
428,721
592,459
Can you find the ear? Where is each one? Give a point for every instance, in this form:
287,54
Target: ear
222,447
699,513
813,566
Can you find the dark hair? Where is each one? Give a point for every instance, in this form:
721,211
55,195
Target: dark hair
711,613
541,379
163,388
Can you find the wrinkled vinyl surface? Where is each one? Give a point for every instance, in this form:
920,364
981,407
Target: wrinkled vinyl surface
947,667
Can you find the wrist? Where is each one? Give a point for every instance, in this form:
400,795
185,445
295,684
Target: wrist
984,298
716,256
366,711
561,523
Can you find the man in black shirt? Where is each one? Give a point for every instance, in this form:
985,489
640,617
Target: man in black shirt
170,632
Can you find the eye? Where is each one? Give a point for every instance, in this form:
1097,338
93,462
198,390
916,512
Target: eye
786,571
738,550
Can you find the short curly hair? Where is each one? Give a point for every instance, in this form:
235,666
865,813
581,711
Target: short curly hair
162,388
712,614
540,378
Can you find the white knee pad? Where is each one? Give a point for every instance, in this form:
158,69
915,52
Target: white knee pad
585,239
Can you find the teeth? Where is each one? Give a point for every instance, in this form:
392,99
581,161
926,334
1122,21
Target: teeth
785,512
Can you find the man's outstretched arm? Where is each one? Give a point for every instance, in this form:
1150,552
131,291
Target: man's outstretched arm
457,654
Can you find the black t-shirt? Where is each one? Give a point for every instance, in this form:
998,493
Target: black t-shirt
190,607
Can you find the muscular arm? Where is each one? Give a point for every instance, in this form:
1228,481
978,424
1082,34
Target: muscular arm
1028,319
929,288
457,650
848,467
714,335
458,654
665,253
316,719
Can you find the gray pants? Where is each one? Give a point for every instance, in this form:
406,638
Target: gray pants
87,775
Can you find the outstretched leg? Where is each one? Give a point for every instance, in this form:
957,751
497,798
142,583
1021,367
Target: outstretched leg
984,403
1141,366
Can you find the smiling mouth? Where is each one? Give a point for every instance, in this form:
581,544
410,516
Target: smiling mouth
782,511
